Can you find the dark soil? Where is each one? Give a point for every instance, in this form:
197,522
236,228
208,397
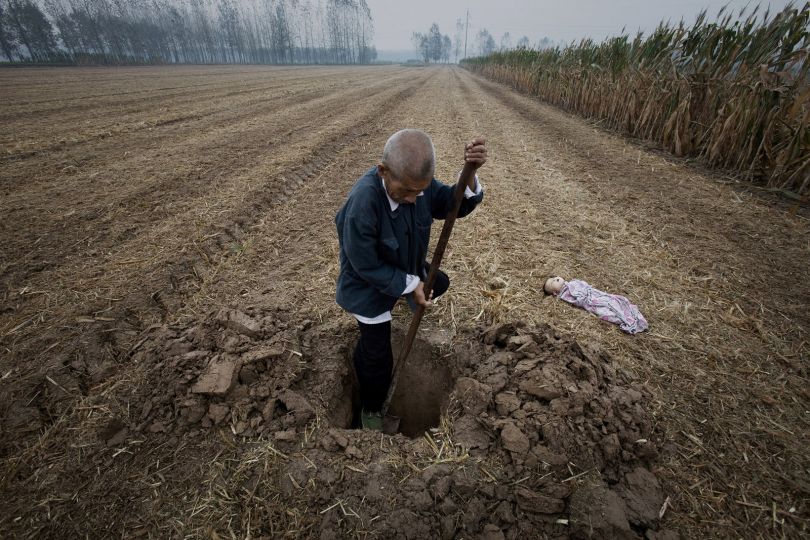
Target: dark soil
514,432
173,363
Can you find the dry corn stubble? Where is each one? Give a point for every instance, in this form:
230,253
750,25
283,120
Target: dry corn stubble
620,230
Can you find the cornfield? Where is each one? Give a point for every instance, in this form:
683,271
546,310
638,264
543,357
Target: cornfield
734,91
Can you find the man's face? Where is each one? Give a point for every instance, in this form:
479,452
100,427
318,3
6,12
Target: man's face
403,190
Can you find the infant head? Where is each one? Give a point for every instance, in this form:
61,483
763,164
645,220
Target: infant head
553,285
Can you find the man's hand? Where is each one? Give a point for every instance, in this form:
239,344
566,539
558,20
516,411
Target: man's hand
476,152
419,295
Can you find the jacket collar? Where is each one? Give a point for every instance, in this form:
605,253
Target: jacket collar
391,207
391,202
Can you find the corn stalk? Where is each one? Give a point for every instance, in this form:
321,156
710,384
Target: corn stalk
734,91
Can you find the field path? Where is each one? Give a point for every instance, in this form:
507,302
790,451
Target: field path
151,195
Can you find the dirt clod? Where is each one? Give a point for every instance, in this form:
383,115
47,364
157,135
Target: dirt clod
642,494
474,396
239,323
217,412
514,440
218,377
299,409
530,501
598,512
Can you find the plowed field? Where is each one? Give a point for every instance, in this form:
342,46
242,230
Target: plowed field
163,226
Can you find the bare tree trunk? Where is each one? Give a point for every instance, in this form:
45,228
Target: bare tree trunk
5,41
177,31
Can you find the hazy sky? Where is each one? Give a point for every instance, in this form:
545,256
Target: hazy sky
559,20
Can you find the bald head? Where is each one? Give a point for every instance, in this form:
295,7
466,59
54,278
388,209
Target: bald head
409,153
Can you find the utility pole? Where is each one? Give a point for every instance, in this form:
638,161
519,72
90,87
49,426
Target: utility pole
466,31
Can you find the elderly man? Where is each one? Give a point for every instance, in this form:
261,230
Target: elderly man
384,229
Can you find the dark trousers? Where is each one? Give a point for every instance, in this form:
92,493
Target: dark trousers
373,358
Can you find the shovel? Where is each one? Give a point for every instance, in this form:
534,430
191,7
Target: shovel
391,423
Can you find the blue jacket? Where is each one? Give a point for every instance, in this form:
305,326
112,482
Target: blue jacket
379,247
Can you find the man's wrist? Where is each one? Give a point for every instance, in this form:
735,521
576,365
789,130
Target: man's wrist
473,191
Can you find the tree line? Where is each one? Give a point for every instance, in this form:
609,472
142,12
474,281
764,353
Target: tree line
433,46
187,31
485,43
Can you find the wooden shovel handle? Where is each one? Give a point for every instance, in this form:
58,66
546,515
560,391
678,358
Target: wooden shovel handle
467,173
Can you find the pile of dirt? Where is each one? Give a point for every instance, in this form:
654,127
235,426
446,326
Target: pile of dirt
538,435
237,370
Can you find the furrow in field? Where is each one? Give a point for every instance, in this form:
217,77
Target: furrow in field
108,85
163,259
336,150
25,138
135,98
181,166
66,155
51,164
292,250
69,127
128,94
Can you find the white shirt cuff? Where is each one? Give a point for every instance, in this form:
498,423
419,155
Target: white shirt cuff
468,193
381,318
411,282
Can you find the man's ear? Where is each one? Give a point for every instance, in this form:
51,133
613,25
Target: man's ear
381,169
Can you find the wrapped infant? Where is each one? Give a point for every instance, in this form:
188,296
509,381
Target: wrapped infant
612,308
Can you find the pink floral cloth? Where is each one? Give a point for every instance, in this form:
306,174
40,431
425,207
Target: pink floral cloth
612,308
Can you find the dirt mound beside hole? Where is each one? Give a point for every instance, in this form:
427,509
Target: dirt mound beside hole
508,432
